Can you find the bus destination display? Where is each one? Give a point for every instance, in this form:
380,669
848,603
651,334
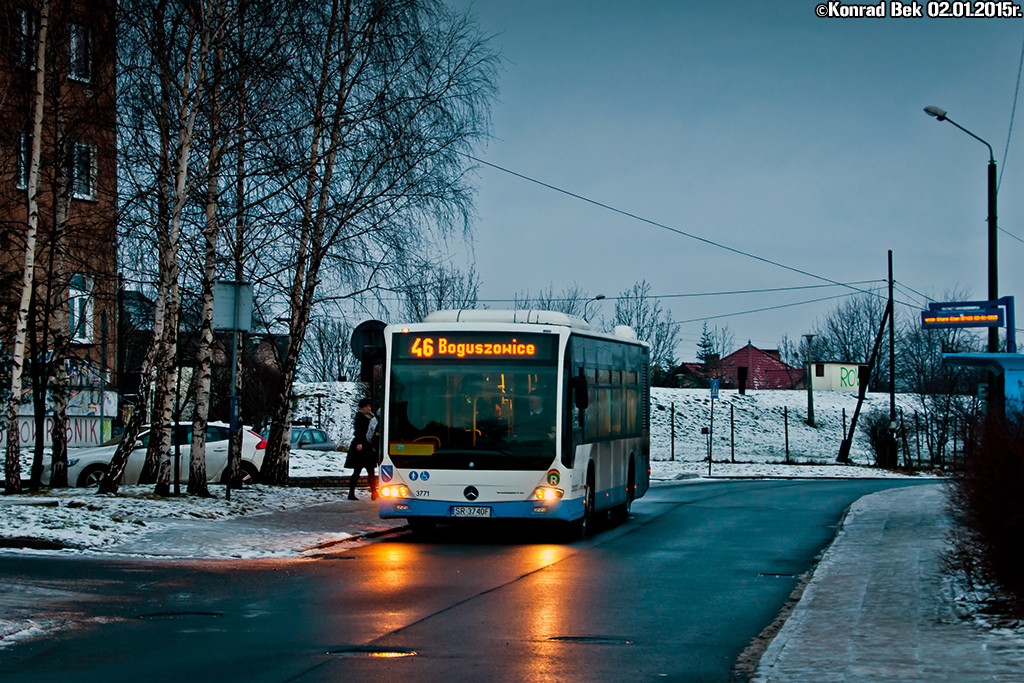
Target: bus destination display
474,346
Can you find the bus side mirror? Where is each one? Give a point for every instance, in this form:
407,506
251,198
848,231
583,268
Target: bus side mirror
579,392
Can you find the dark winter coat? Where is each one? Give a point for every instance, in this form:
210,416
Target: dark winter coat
365,457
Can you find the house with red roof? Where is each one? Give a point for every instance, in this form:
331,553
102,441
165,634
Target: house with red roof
762,370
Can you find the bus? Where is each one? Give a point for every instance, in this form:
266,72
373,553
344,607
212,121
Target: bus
494,414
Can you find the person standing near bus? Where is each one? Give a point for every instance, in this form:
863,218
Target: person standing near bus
361,455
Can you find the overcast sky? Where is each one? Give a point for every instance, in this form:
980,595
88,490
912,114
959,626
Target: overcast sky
753,124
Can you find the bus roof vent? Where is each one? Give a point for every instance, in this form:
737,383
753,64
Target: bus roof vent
624,332
508,316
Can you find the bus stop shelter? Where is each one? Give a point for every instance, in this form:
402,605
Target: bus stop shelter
1007,368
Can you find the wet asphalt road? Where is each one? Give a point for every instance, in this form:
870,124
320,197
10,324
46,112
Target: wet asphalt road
675,593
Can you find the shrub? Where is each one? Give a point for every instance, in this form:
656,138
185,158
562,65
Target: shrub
876,426
988,506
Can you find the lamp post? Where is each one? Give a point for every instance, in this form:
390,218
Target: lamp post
993,281
586,306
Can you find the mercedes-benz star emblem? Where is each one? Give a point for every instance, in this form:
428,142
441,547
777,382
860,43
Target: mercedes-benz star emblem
471,493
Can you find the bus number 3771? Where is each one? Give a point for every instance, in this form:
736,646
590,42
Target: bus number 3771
513,414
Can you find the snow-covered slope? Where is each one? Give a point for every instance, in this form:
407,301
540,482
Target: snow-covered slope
756,422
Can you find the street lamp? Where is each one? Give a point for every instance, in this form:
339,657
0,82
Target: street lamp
993,286
586,306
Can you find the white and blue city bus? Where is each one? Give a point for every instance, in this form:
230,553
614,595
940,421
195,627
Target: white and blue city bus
513,414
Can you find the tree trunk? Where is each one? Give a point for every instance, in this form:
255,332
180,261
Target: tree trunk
234,466
12,463
308,254
38,374
197,461
61,303
197,468
166,256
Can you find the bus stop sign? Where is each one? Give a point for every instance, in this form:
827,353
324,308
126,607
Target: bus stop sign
992,313
964,317
368,341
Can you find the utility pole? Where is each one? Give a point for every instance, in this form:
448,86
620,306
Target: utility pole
810,392
892,374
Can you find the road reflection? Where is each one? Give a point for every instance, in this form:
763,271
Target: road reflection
393,570
419,587
552,598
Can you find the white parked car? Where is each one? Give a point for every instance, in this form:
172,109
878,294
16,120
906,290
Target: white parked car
88,466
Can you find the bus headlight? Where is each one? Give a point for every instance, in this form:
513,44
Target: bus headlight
395,491
547,493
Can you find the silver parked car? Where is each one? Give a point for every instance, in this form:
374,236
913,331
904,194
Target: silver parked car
88,466
308,439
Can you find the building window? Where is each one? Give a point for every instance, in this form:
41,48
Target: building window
83,171
80,309
819,369
26,38
23,159
79,53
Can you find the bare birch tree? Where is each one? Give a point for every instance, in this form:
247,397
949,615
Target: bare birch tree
12,463
213,22
199,84
167,68
389,95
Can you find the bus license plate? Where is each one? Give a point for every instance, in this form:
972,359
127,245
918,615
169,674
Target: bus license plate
470,511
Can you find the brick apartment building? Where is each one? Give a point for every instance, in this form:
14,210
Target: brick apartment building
76,254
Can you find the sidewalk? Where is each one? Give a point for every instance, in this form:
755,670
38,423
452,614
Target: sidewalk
878,607
271,534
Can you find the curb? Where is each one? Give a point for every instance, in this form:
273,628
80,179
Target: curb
354,538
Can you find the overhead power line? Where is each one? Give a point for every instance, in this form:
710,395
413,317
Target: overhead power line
698,294
662,226
1013,115
1004,230
757,291
907,291
760,310
709,242
908,287
789,305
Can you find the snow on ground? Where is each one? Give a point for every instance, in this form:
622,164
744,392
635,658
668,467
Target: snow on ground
84,521
756,422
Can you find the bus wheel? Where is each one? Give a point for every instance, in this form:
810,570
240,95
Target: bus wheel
583,527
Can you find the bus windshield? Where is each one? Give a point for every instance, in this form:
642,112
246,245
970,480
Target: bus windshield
472,415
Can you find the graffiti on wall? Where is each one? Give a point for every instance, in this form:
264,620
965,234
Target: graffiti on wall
849,377
81,431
